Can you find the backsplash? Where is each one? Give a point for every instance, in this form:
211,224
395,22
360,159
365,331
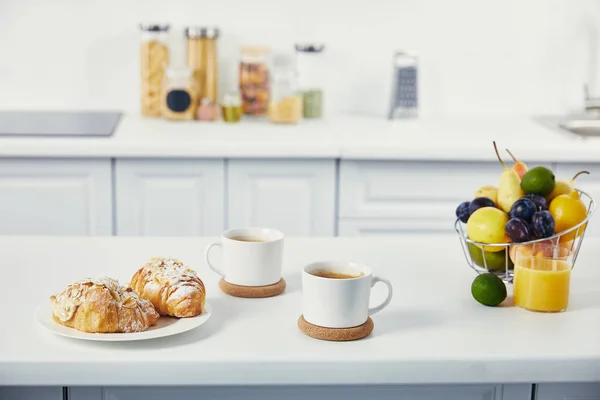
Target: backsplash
476,57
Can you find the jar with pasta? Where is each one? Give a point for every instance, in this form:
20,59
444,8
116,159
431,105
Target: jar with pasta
154,54
254,80
180,94
285,104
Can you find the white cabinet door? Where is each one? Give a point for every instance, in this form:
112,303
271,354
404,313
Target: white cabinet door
588,183
568,391
31,393
169,197
440,392
55,197
408,197
295,196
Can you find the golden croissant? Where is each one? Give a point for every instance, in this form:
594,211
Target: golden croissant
172,288
102,306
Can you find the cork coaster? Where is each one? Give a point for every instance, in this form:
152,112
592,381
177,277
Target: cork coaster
252,292
336,334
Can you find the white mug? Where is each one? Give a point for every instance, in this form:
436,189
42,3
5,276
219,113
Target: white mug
249,263
340,303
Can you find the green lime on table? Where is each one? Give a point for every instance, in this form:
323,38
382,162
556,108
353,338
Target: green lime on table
488,289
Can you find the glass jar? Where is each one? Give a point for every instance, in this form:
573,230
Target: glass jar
180,95
202,60
231,108
154,54
309,59
254,80
285,104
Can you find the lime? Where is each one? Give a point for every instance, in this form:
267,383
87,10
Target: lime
488,289
538,180
493,260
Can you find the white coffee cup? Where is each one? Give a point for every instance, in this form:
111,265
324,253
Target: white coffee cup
339,303
251,256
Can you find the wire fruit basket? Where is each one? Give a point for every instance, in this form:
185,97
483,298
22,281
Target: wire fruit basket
500,262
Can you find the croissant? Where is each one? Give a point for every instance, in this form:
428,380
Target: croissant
102,306
172,288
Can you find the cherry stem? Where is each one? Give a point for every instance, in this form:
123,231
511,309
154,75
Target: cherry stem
579,173
498,155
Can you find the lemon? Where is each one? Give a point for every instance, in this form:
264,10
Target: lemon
486,225
488,289
568,210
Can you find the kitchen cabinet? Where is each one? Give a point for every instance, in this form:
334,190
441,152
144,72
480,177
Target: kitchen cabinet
441,392
31,393
407,197
588,183
55,197
169,197
401,197
295,196
568,391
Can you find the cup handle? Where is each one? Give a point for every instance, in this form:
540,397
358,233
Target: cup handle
387,301
206,255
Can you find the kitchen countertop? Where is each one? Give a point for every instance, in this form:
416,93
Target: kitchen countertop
345,137
433,331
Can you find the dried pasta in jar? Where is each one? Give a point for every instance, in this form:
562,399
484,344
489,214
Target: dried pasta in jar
154,59
254,80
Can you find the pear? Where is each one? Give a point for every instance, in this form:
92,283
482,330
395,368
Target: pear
520,167
564,186
509,190
490,192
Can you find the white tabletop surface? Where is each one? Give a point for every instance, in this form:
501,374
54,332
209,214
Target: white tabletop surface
433,331
344,137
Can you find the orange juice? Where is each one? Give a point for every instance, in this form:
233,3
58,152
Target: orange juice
542,284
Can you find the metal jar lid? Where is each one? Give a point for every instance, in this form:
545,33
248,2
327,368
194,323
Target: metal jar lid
148,27
310,47
209,32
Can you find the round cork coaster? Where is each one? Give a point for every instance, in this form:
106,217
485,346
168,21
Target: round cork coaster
336,334
252,292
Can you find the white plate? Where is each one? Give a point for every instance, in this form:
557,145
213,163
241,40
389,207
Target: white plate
167,326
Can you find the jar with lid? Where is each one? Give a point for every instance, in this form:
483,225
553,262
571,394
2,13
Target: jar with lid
254,80
180,95
309,59
285,104
202,60
154,57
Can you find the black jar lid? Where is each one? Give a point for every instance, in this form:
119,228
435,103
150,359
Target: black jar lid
310,47
209,32
154,27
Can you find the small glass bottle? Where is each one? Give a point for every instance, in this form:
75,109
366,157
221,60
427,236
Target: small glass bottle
180,95
285,104
405,100
309,58
254,80
154,58
231,108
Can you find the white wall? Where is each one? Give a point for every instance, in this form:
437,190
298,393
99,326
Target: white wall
478,57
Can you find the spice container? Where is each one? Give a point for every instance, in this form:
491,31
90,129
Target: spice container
202,60
180,95
231,108
404,102
254,80
154,57
206,111
285,105
309,59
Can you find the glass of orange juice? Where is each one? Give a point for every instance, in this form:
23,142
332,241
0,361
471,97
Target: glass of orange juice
542,278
